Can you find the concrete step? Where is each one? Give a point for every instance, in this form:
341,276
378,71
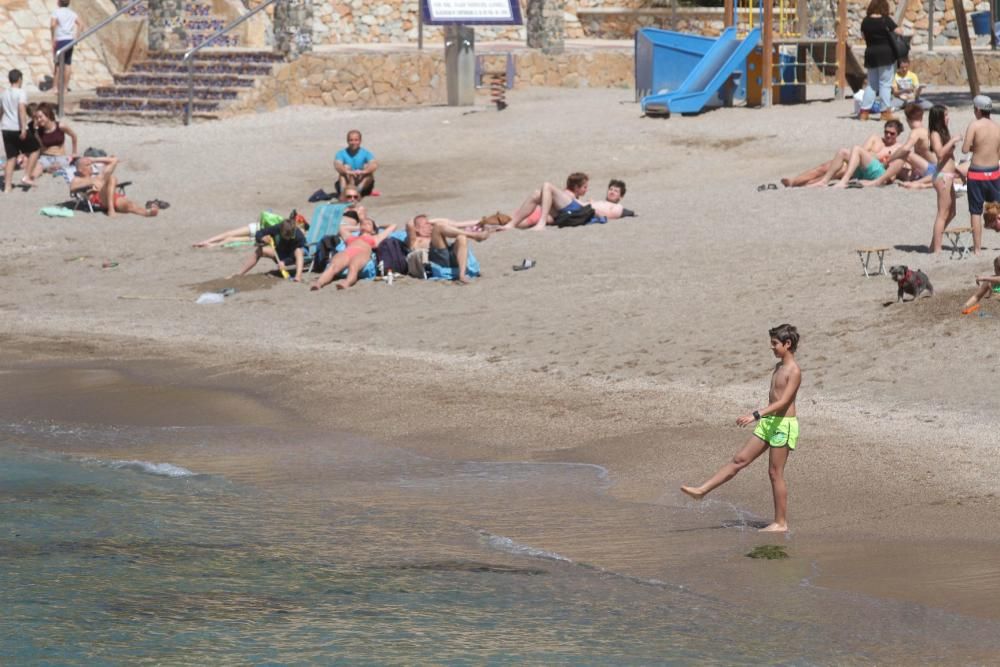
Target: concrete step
212,53
174,79
115,104
218,67
166,93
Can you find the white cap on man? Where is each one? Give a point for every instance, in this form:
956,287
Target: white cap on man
982,102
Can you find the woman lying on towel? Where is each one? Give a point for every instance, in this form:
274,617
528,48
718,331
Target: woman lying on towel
354,256
248,232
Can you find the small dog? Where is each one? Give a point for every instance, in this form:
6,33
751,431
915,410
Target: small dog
910,281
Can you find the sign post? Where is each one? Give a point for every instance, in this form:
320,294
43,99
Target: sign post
459,17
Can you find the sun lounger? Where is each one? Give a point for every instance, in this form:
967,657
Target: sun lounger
81,196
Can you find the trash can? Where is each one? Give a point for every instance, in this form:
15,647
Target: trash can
980,23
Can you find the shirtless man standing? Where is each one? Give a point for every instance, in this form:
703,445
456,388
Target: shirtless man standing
982,139
427,239
103,185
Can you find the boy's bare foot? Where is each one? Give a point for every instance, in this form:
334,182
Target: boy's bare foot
693,492
315,287
341,284
774,528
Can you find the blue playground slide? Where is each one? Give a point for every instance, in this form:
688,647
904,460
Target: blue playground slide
701,86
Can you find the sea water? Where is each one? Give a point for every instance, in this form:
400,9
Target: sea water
392,559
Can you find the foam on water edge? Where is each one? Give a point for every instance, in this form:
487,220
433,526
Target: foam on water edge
146,468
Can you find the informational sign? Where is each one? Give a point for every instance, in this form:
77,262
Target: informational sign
471,12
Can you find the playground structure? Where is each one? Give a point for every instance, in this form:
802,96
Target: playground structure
761,57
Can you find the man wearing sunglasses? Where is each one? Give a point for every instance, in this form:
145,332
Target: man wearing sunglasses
875,145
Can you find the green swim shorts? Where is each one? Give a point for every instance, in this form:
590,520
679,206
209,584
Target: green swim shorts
778,431
872,171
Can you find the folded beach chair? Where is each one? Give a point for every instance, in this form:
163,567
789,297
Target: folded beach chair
81,196
325,222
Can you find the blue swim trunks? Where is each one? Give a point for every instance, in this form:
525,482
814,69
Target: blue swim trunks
872,171
572,207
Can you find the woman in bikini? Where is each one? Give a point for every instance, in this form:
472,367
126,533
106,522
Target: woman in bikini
51,135
943,145
355,256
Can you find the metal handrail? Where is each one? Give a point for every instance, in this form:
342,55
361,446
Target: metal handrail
205,42
61,53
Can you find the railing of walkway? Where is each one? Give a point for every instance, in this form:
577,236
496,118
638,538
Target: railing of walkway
61,53
207,42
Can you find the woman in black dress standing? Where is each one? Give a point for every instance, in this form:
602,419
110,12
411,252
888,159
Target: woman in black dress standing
880,58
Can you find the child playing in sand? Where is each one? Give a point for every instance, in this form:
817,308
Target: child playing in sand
777,429
284,243
986,286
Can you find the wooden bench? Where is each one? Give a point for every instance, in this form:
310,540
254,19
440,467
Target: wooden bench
865,255
958,246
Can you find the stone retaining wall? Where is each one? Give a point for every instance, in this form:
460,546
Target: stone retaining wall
405,79
26,43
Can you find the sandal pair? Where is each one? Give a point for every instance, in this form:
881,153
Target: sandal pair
158,203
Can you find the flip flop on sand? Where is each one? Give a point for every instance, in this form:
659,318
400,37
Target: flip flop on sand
854,185
767,186
524,265
158,203
971,309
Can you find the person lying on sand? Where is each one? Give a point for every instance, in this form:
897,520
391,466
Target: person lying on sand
777,429
873,144
609,208
551,201
102,188
863,165
355,256
248,232
427,240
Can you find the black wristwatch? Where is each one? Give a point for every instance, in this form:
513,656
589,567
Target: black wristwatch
756,415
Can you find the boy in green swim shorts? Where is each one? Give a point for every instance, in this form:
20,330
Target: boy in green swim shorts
777,429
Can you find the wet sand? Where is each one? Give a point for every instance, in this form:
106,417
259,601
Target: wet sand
631,346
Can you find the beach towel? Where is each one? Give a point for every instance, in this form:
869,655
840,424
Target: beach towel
439,272
56,212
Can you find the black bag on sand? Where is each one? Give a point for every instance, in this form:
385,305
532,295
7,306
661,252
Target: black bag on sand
577,218
392,253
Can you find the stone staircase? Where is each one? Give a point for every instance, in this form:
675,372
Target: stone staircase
158,86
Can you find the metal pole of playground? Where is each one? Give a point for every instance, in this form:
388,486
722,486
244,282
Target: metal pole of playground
842,49
767,59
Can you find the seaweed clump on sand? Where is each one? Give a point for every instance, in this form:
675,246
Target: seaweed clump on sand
768,552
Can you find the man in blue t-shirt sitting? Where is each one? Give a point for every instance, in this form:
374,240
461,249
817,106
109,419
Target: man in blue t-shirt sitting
355,166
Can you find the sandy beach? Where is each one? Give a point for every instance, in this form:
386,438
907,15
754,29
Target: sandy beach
632,346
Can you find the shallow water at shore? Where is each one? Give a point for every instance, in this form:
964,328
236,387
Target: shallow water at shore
208,542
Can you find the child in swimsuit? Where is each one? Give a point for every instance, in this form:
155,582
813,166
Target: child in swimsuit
986,286
777,429
354,257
